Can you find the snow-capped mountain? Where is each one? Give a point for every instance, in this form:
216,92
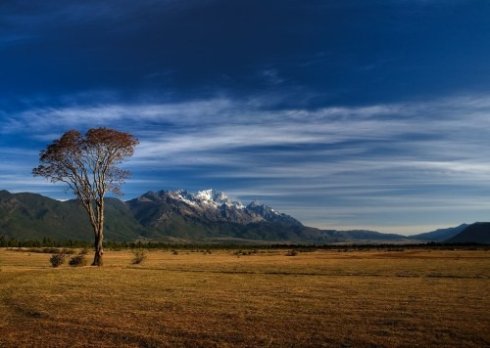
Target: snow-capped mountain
170,216
210,206
212,215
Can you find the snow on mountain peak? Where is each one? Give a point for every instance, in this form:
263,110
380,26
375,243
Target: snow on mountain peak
262,208
208,197
205,195
183,196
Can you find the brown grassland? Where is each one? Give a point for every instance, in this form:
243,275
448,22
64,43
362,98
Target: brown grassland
375,298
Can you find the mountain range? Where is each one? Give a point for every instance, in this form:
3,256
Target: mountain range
181,216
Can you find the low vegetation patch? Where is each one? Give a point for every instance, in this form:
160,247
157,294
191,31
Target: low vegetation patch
78,261
241,252
46,250
57,260
139,256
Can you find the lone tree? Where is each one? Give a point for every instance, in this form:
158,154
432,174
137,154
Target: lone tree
88,164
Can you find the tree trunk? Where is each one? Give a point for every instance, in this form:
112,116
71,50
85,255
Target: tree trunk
99,251
99,233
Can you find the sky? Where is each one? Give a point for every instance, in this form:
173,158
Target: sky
346,114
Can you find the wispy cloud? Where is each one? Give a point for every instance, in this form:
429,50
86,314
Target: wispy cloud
373,159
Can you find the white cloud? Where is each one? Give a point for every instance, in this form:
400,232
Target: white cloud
381,152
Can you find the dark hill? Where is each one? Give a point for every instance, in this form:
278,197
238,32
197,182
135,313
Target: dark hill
439,235
28,216
362,236
478,232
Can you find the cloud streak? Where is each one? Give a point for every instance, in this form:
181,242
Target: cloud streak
372,159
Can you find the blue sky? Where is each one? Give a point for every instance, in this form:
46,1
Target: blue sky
344,114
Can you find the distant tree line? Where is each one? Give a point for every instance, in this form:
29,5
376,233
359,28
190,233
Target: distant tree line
45,242
6,242
48,242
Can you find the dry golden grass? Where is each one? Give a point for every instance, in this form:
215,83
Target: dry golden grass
323,298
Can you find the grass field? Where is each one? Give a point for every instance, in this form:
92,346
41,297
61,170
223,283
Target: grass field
323,298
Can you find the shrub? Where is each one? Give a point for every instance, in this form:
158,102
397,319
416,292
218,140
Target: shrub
78,261
57,260
139,256
175,252
241,252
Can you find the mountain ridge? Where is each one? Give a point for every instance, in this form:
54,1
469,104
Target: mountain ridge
212,205
440,234
178,216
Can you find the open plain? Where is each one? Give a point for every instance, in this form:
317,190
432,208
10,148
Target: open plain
338,298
